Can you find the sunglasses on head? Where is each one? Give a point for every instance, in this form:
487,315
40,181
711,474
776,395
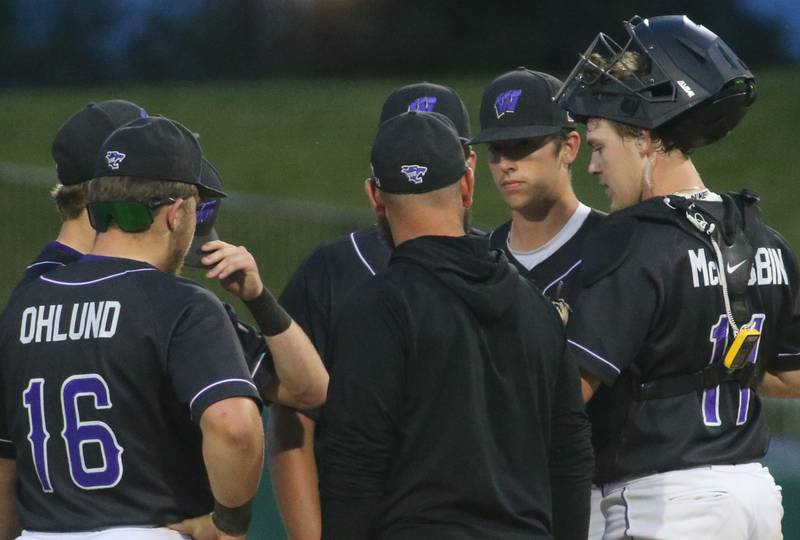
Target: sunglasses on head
206,212
130,216
135,216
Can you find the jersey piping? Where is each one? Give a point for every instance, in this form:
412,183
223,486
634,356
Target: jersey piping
212,385
595,355
44,262
530,259
360,255
258,364
98,280
562,276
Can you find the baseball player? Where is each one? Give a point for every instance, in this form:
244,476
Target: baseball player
300,380
449,329
125,400
687,299
532,145
74,150
315,297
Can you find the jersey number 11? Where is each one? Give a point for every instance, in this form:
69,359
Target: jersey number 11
719,336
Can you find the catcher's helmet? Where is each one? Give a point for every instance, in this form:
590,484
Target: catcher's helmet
669,66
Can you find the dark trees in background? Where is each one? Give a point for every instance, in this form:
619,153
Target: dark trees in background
101,41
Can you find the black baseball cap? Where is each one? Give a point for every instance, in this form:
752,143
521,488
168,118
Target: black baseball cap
207,212
416,153
156,148
518,105
77,141
429,97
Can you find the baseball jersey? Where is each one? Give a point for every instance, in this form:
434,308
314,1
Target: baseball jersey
54,255
559,260
652,315
257,355
106,366
316,292
450,402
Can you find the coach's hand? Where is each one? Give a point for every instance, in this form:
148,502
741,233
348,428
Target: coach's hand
202,528
234,267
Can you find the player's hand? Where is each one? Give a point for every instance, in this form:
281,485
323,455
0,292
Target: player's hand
202,528
234,267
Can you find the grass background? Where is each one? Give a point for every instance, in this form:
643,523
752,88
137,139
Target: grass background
295,152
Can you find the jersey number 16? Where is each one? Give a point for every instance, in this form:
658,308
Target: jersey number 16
76,433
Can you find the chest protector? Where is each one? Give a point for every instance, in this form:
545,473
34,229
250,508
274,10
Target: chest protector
731,237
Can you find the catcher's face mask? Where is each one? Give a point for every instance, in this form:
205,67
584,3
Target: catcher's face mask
668,65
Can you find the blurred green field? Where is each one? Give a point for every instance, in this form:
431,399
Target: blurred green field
302,147
309,140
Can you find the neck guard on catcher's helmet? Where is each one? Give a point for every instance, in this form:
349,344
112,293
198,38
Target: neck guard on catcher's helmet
669,66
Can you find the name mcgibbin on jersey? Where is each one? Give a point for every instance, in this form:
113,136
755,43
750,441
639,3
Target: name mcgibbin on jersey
767,268
88,320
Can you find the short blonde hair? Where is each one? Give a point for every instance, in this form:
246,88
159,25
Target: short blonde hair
70,200
127,188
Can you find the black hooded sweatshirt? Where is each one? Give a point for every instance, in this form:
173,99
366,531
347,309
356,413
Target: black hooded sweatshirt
453,412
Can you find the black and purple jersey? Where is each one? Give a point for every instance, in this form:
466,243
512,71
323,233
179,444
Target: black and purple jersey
652,316
53,256
317,290
259,358
106,366
558,274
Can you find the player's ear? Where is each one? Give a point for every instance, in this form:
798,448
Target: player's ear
173,214
472,159
644,142
570,148
374,196
467,187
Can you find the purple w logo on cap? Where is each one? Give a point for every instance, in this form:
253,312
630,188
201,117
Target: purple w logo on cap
423,104
506,102
414,173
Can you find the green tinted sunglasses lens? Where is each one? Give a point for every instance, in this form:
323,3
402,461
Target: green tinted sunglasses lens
129,216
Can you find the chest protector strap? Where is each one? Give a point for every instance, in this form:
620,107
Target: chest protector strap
730,238
709,377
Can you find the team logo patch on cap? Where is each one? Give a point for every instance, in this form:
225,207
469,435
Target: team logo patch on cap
423,104
114,158
414,173
506,102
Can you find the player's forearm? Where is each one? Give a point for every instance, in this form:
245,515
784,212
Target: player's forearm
589,385
233,449
302,378
293,471
781,384
9,526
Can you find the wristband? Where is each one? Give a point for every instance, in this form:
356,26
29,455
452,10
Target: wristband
270,317
233,521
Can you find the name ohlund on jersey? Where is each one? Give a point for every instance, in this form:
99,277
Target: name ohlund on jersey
767,268
89,320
